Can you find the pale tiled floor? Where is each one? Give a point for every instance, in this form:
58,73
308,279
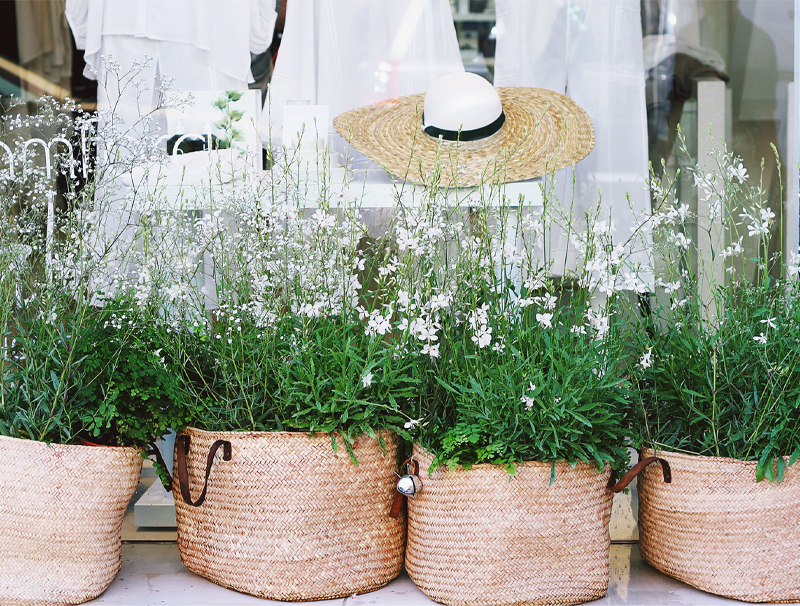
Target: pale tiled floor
152,574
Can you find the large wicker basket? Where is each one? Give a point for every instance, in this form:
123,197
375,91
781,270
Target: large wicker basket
61,510
287,517
480,537
716,528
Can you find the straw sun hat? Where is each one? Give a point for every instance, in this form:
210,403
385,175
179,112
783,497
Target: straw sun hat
474,132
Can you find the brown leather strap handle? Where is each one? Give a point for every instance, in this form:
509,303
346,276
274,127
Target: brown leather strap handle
635,471
160,460
407,462
399,497
183,471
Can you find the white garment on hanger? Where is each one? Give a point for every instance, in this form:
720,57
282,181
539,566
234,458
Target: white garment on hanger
227,30
350,53
590,50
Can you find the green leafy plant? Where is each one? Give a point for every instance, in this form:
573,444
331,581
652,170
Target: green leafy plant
517,366
130,393
718,371
292,337
71,267
230,117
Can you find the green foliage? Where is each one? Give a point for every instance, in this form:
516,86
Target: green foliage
229,118
516,366
297,374
717,389
718,344
130,395
550,394
94,373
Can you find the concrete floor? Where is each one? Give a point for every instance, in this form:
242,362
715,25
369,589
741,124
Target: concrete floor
152,574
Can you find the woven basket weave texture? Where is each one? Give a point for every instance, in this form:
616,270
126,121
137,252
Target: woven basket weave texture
480,537
61,510
288,518
716,528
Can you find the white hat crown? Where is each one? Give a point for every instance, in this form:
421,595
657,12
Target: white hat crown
462,103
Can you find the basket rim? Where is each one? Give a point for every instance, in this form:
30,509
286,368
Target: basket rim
259,434
75,447
672,454
426,453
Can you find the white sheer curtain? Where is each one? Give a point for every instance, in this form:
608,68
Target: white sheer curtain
590,50
349,53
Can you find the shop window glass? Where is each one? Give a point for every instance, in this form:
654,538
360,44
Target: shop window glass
632,64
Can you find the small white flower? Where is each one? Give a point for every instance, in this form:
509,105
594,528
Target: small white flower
325,220
766,214
762,339
483,337
440,302
547,301
740,172
366,380
174,292
412,423
757,229
681,240
793,268
528,401
378,324
534,284
770,322
646,360
431,350
426,332
545,320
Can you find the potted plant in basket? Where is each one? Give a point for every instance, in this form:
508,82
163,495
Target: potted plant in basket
526,413
285,478
717,385
79,367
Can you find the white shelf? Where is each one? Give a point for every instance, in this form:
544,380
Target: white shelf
153,574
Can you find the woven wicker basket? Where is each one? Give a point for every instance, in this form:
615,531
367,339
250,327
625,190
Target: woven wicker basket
716,528
287,518
479,537
61,510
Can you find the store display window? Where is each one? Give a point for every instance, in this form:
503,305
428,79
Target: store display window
662,83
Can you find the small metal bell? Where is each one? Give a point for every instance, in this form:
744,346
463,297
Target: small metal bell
409,485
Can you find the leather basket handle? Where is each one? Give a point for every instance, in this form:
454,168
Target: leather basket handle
183,471
635,471
160,460
399,498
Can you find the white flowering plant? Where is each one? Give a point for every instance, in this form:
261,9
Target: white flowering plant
288,333
81,359
718,372
518,365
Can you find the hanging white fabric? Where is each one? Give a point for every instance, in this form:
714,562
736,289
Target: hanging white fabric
227,31
590,50
346,54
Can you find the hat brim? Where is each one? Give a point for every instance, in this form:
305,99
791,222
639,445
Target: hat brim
544,131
